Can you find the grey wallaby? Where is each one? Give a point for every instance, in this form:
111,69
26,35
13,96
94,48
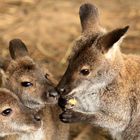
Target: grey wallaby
101,85
30,82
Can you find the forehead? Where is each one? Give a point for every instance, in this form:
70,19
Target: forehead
21,66
87,54
7,98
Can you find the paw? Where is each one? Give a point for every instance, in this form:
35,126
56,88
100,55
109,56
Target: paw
70,116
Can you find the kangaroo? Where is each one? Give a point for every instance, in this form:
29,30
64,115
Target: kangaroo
32,85
101,84
14,117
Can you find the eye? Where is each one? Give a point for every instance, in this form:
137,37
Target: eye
85,72
26,84
46,75
6,112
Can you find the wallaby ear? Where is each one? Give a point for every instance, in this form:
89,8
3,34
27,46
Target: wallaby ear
89,17
2,62
3,77
107,41
17,48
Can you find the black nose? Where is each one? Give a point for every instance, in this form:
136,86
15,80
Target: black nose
37,117
61,90
53,93
62,102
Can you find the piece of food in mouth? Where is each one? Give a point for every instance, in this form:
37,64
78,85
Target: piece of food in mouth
72,102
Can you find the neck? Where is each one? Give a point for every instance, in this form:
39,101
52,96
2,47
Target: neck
37,135
132,131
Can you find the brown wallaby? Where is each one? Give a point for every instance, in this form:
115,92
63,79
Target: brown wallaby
14,117
101,85
34,88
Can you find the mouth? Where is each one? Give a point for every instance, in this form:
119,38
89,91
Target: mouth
72,101
66,104
51,96
36,126
51,100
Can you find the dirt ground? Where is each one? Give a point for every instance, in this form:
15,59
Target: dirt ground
49,27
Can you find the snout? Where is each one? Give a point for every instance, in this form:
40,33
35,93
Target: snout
51,96
65,101
62,102
53,93
37,117
35,123
62,90
68,103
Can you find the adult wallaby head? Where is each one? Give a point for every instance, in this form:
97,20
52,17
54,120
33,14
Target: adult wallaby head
91,83
14,117
26,78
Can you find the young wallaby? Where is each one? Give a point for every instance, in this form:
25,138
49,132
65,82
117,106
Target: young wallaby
31,84
14,117
101,84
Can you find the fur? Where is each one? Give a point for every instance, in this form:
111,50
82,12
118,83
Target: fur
107,93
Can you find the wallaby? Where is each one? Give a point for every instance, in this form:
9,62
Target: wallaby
31,84
101,84
15,118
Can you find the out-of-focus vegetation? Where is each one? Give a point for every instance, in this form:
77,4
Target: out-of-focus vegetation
48,27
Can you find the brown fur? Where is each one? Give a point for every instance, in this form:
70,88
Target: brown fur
104,82
22,69
20,120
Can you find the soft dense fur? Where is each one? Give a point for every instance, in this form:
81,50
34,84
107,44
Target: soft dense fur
30,82
19,119
104,81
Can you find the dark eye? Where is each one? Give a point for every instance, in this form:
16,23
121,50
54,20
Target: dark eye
85,72
26,84
7,112
46,75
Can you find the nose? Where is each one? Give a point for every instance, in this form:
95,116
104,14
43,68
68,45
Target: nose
62,102
53,93
37,118
61,90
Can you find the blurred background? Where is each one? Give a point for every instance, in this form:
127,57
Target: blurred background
49,27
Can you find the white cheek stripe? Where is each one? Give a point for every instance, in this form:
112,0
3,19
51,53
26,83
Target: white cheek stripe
84,93
88,92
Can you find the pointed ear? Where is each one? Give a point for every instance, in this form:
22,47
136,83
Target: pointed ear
2,62
108,40
3,77
17,48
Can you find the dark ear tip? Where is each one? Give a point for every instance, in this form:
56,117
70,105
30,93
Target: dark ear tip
125,29
15,41
87,8
17,48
